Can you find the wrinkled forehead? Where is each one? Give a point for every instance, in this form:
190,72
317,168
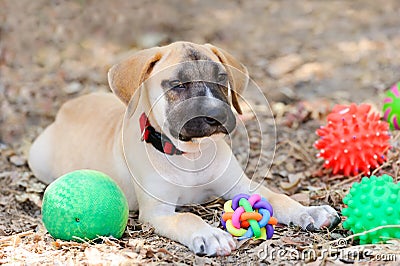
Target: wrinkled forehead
189,63
201,70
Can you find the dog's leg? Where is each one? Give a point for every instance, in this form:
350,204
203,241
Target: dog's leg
286,210
186,228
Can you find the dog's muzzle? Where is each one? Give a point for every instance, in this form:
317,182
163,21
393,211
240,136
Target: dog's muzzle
201,118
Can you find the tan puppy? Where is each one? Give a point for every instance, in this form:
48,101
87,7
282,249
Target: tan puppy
168,149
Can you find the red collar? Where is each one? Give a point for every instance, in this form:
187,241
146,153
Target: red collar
159,141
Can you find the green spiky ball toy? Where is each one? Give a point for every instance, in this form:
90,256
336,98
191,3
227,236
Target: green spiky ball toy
372,203
84,205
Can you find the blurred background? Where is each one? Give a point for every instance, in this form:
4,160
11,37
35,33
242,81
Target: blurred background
304,55
313,51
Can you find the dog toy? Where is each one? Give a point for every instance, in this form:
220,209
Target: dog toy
371,203
84,205
391,107
247,216
354,140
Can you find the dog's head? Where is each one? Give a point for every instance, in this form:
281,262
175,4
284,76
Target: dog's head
189,88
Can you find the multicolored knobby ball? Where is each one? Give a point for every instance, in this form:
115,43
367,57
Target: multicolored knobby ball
84,205
391,106
354,141
249,216
371,203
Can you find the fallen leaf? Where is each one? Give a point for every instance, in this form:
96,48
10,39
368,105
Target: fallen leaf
130,254
93,256
35,198
285,64
35,187
294,180
17,160
290,241
73,87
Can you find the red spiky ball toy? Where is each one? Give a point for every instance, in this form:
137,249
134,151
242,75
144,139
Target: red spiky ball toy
354,140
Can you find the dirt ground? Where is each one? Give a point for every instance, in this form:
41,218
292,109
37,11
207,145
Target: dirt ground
305,56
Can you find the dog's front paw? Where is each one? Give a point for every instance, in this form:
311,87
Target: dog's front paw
317,217
212,241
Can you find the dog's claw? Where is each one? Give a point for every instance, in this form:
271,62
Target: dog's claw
334,222
322,217
199,246
310,227
212,242
312,218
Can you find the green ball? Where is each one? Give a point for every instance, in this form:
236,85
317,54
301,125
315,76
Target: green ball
391,107
372,203
84,205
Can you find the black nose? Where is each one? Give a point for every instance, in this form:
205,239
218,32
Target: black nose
203,120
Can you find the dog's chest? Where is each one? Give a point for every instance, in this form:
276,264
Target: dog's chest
187,171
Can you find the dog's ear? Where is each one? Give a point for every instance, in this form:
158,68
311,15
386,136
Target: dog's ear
126,77
238,74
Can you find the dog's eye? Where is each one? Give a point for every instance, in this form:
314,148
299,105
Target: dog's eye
176,84
222,77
